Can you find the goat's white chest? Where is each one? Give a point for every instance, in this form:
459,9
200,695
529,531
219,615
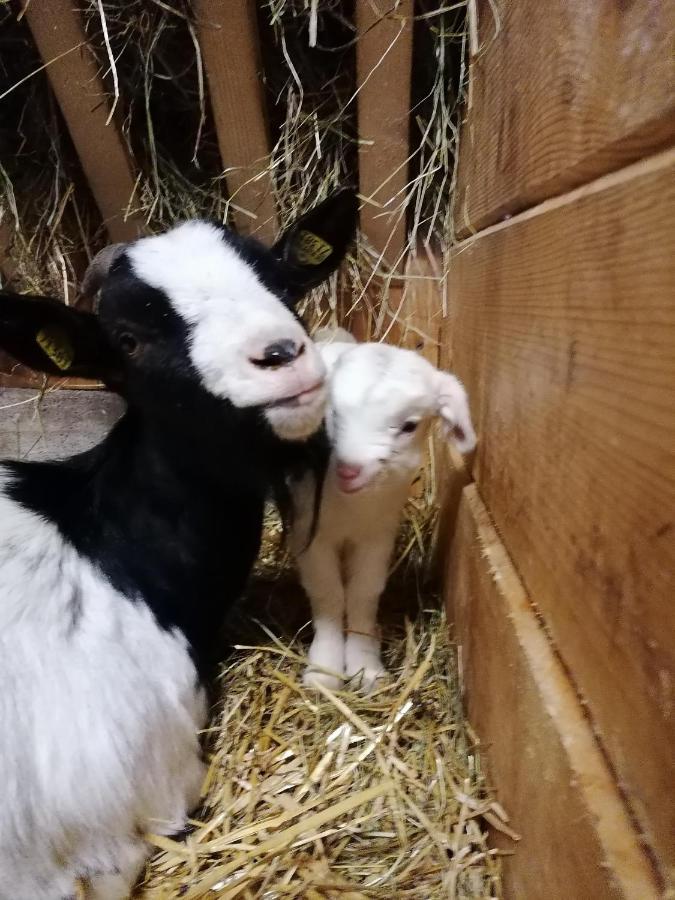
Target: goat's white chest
100,707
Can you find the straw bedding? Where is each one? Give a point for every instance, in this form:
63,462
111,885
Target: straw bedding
338,795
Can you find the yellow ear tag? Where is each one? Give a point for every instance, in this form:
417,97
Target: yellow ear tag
55,343
310,249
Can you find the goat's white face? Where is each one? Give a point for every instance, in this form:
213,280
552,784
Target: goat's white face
382,401
245,343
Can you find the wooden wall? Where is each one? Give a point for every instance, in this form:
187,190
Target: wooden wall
561,579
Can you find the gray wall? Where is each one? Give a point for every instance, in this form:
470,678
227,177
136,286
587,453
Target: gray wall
56,425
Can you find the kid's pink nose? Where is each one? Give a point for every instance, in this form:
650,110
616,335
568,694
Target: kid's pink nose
347,472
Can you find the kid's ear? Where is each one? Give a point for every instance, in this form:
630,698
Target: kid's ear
453,408
315,245
53,338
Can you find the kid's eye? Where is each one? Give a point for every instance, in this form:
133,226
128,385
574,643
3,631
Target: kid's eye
408,427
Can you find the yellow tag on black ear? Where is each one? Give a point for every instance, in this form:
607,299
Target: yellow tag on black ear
311,250
55,343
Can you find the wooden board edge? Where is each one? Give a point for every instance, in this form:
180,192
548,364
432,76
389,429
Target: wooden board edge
383,62
599,826
650,165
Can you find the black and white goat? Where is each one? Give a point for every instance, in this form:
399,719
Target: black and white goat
116,566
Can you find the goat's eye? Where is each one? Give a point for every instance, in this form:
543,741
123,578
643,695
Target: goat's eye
128,343
408,427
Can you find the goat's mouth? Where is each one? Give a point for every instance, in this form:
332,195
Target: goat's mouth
297,417
304,398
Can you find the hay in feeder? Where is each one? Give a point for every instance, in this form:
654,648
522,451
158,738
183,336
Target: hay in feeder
336,795
49,227
309,69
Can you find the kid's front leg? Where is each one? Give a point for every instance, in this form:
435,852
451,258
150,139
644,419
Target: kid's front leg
319,568
367,568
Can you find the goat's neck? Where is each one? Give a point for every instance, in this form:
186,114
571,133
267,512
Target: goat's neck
178,532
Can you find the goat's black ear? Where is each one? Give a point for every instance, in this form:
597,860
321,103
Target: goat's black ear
53,338
314,246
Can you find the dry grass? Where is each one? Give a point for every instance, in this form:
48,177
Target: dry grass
338,795
49,226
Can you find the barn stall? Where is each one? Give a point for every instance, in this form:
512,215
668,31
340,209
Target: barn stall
514,165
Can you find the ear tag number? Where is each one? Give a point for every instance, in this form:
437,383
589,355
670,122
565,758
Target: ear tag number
55,344
310,249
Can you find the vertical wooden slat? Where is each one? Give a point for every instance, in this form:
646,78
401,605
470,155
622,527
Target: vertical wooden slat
383,61
57,29
229,41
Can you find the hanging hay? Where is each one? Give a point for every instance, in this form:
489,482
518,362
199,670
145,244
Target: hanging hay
49,227
338,795
151,64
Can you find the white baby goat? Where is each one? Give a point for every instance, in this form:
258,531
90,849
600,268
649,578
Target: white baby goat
382,400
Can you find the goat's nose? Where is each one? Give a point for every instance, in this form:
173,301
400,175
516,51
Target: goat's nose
347,472
279,353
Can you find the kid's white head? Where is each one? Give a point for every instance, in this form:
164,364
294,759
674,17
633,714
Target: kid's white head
382,400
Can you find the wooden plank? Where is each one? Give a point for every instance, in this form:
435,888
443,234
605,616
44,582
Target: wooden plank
562,92
551,776
73,73
563,329
59,424
383,62
228,36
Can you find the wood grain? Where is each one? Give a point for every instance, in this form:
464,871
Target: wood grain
563,329
383,62
228,36
57,29
566,91
577,839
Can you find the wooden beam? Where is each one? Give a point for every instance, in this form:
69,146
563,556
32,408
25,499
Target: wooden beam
550,775
563,330
561,92
228,36
383,62
73,73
